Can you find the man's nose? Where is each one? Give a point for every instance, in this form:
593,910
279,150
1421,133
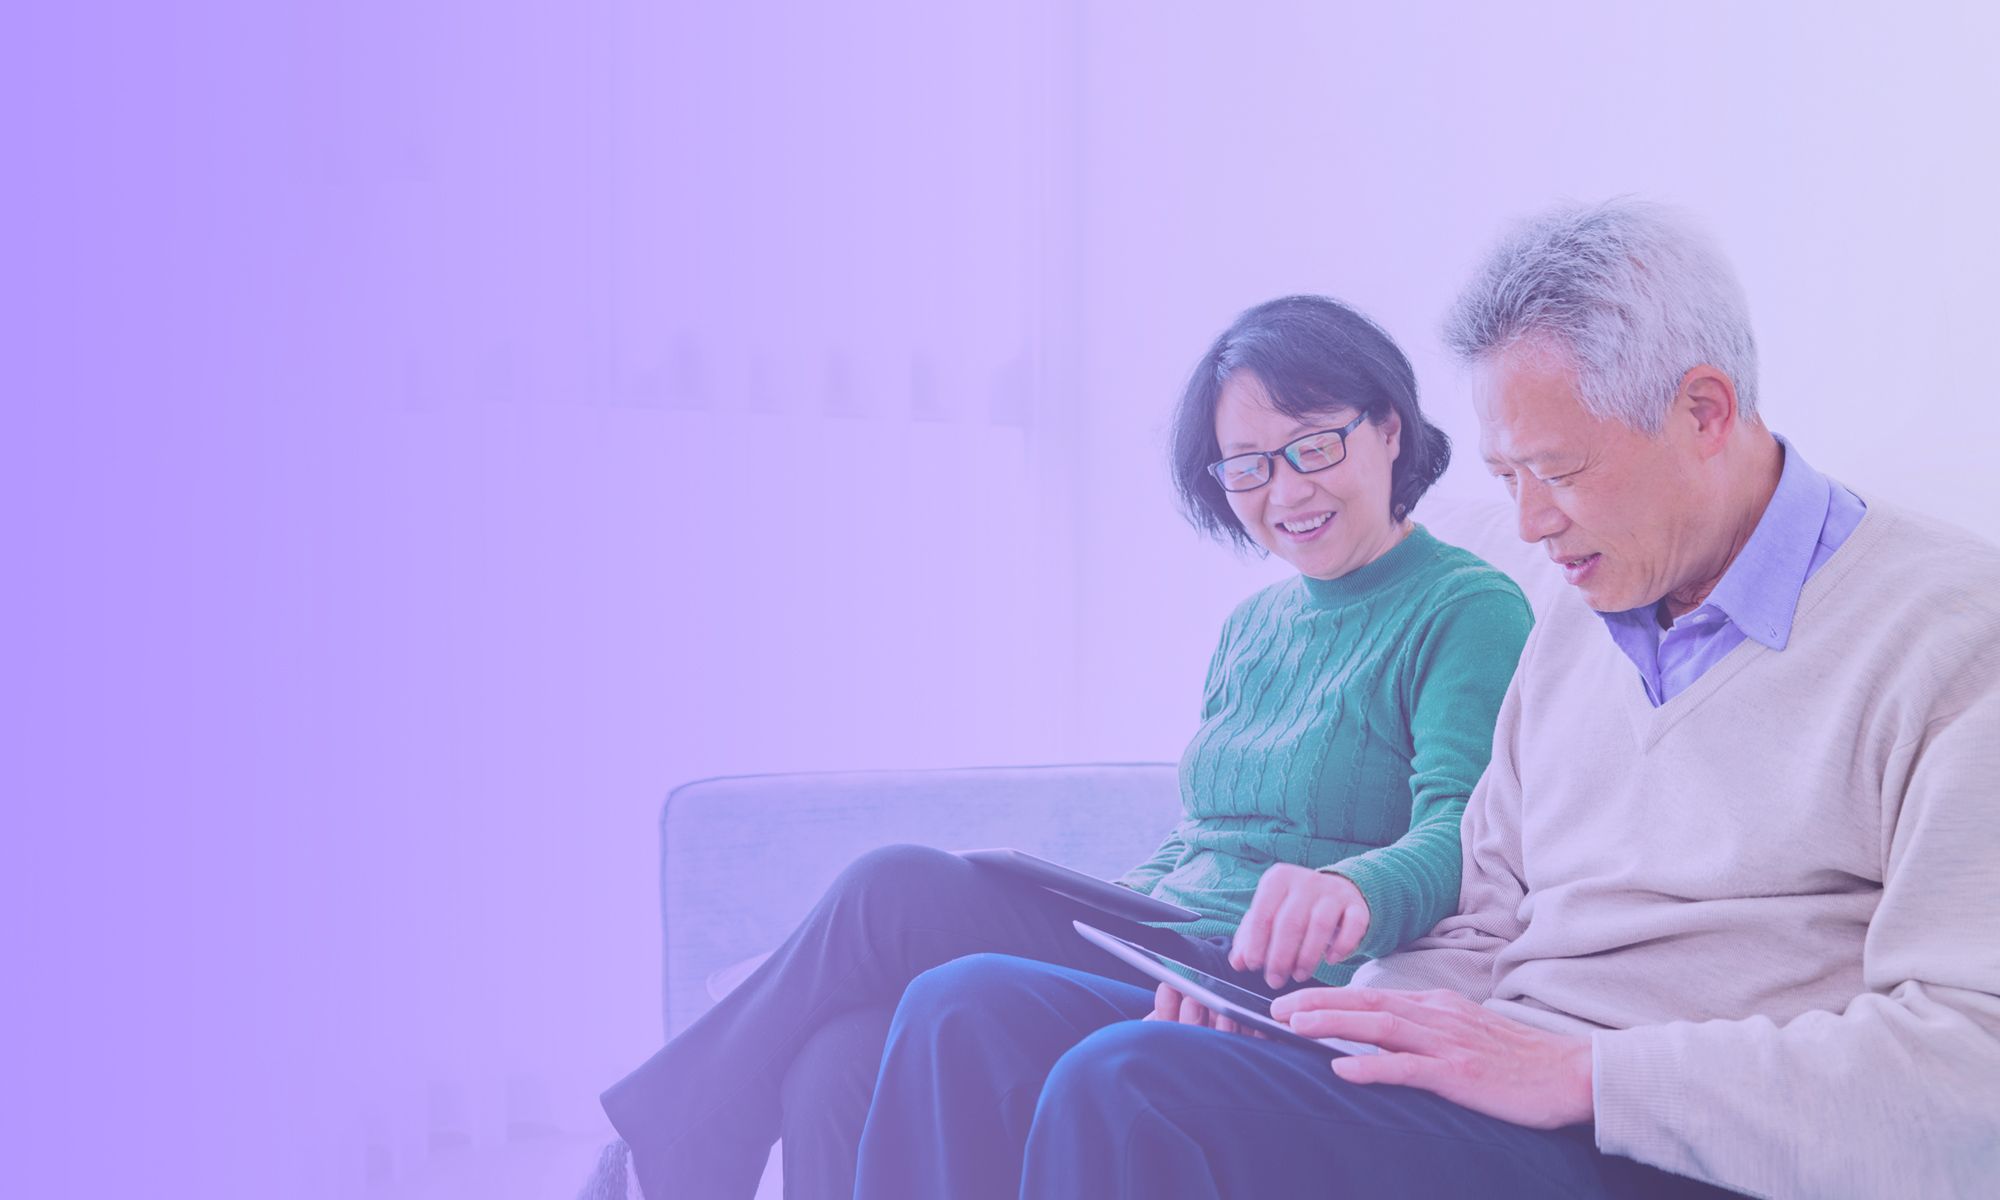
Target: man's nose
1538,517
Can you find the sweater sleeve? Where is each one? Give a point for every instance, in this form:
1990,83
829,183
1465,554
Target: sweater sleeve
1459,952
1899,1092
1459,672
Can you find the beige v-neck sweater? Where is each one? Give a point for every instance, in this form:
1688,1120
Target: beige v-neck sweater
1772,902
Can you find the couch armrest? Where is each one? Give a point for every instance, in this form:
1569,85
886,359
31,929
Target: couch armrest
743,858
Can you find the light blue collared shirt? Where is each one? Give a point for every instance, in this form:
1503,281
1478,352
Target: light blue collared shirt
1808,518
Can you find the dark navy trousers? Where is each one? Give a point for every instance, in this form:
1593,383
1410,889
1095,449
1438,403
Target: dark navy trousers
795,1048
1006,1078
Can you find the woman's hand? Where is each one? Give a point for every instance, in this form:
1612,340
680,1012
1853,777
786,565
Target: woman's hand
1170,1005
1298,920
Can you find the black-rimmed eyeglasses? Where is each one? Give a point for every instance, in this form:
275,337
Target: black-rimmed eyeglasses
1313,452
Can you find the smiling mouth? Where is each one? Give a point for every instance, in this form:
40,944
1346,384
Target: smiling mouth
1305,524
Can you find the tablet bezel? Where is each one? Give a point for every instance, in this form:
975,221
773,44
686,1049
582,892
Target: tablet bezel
1167,970
1084,889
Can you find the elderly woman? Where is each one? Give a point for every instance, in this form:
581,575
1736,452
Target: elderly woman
1347,714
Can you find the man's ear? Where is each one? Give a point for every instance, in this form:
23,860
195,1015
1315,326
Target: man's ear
1705,406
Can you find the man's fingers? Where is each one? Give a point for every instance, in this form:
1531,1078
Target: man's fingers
1391,1031
1408,1070
1314,999
1166,1003
1358,999
1192,1012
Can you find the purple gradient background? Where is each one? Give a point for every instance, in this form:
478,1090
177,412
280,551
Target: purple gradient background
434,431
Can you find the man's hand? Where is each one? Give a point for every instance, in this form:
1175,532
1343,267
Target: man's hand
1298,920
1441,1042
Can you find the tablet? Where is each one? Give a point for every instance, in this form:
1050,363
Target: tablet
1247,1007
1097,893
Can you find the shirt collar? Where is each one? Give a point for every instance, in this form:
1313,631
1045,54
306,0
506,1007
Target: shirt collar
1759,593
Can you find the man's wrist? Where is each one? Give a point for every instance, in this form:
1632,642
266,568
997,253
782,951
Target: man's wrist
1583,1070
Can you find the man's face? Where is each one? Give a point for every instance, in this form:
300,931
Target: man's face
1618,510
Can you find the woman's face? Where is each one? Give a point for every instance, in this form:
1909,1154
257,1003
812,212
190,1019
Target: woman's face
1326,523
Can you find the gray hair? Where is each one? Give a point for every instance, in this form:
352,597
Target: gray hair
1631,293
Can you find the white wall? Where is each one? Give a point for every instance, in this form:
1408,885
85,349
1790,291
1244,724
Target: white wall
663,559
505,473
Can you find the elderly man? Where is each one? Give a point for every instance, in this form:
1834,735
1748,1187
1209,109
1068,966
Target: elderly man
1731,882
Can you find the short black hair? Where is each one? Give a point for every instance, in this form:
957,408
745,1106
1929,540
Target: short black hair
1313,355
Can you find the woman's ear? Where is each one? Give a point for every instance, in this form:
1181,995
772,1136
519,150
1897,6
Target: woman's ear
1392,434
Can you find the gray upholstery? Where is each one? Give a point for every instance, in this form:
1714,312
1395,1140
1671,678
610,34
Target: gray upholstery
743,858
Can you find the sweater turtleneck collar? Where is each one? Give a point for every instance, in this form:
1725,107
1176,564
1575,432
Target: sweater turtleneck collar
1367,580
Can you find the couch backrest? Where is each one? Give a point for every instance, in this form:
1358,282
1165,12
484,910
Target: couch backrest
743,859
1489,529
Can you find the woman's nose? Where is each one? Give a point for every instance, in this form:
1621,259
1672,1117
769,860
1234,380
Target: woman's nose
1288,486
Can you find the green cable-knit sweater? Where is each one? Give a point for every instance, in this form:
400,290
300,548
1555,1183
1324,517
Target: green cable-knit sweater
1343,726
